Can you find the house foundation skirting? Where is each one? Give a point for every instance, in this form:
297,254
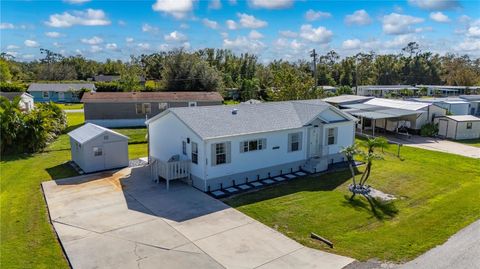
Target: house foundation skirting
117,123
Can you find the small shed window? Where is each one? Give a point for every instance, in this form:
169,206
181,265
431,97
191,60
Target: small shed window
194,153
97,151
469,125
147,108
45,94
192,103
184,147
138,108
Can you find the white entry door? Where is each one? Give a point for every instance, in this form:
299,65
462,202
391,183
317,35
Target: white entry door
442,128
314,142
61,96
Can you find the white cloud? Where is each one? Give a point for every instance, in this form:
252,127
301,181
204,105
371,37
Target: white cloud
175,36
143,46
12,47
76,2
147,28
255,35
89,17
473,31
95,49
400,41
243,44
53,34
12,53
210,24
283,45
6,25
179,9
319,35
271,4
231,24
435,4
351,44
288,33
31,43
92,41
122,23
469,45
249,21
129,39
312,15
111,46
439,17
398,24
359,17
215,4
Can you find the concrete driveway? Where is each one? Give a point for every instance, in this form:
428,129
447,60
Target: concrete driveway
123,220
439,145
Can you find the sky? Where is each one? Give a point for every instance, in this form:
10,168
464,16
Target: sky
275,29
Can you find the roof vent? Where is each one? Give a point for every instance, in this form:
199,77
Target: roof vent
234,111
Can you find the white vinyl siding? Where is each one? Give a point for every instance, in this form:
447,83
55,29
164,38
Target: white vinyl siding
295,142
253,145
221,153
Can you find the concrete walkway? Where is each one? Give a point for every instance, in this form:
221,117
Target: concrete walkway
123,220
439,145
461,251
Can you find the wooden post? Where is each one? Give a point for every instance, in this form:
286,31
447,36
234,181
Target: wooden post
398,152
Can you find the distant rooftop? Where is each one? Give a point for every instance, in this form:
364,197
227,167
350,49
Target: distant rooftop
387,87
11,95
347,98
113,97
463,118
448,87
59,87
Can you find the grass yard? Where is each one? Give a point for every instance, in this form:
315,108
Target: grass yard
438,195
470,142
69,106
27,239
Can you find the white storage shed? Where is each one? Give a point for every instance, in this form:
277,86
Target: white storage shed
95,148
459,127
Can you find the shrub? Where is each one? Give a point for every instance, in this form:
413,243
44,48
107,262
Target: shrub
12,87
108,87
429,129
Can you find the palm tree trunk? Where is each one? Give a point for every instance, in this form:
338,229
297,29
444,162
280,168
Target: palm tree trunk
352,171
366,173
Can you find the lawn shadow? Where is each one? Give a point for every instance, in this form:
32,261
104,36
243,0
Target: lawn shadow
63,170
72,127
379,209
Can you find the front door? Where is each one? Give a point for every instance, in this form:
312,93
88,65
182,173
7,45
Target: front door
61,96
314,142
442,128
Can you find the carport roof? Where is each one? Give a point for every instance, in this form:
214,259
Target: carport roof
377,112
89,131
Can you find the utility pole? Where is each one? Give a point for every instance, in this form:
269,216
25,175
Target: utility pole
356,74
314,55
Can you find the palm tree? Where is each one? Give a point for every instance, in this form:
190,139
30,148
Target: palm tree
350,153
10,121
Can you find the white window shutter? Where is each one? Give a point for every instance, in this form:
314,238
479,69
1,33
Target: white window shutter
213,159
289,146
300,140
228,150
336,135
242,149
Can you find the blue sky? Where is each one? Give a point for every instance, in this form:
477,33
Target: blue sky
272,29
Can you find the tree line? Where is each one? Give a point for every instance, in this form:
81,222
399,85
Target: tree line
220,69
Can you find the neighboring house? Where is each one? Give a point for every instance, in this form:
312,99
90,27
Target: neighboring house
232,94
222,146
252,102
95,148
58,92
474,101
392,114
346,99
383,90
445,90
454,105
26,100
459,127
129,109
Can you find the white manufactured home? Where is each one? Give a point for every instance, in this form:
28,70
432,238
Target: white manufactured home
222,146
95,148
459,127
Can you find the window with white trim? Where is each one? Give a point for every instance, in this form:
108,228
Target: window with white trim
295,141
331,139
46,94
143,108
220,153
252,145
184,147
194,153
97,151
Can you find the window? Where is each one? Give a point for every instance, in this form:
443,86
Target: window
143,108
184,147
253,145
331,136
162,106
469,125
221,153
45,94
97,151
194,153
105,137
192,103
295,141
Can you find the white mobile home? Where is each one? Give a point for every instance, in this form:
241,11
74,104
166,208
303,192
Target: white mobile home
26,100
459,127
454,105
222,146
95,148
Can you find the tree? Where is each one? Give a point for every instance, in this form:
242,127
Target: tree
368,156
10,122
130,77
5,74
290,83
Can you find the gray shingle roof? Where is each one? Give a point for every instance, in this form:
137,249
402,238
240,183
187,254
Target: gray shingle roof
59,87
219,121
89,131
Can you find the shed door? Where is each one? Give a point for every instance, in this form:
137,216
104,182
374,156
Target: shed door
442,128
115,155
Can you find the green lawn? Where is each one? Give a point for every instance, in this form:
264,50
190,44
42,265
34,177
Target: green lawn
470,142
438,195
70,106
27,239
